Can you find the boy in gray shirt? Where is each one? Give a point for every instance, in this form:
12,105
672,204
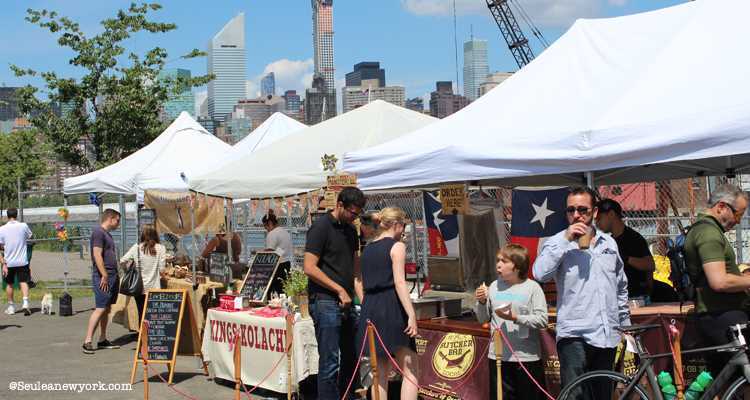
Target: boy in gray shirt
517,306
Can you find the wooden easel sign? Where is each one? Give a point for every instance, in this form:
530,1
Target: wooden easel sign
171,330
260,275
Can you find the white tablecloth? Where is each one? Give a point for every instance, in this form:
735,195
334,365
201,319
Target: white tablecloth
263,344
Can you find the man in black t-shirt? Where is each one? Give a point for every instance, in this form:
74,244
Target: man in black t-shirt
639,264
332,264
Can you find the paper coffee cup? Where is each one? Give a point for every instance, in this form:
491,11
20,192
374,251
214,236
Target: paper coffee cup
584,241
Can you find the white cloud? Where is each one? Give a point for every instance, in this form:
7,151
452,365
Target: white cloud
288,74
547,13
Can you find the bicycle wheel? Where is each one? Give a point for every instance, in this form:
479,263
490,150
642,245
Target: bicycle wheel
601,385
738,390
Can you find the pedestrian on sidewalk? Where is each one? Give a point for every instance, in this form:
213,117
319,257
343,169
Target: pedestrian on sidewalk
105,280
14,259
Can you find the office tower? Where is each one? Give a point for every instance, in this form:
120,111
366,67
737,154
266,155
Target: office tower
493,80
178,102
415,104
292,105
268,85
226,61
357,96
443,102
8,103
322,18
366,70
208,124
320,103
476,68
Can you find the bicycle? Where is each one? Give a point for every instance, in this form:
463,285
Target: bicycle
625,387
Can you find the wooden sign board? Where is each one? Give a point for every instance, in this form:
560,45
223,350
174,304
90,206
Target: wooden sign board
329,199
453,198
171,330
260,276
219,269
341,180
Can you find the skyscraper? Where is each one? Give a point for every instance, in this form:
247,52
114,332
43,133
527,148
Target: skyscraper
366,70
322,18
268,85
320,103
476,67
443,102
226,61
182,101
293,104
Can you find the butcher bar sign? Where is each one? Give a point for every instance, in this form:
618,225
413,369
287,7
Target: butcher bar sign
257,337
448,364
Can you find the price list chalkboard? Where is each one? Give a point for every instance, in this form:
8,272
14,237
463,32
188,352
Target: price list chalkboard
260,275
219,269
163,312
171,330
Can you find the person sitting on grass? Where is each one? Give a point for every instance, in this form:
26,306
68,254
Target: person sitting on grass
517,306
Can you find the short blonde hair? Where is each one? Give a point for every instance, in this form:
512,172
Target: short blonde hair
519,256
389,216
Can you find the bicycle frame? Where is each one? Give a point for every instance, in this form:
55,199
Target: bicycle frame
739,361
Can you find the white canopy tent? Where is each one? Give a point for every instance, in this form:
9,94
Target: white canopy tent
293,164
276,127
657,95
183,149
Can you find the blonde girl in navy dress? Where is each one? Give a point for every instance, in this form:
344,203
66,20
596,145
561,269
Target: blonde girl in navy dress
387,303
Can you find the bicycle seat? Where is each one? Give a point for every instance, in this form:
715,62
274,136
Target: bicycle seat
637,329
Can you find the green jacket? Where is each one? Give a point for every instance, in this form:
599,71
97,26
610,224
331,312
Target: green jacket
706,243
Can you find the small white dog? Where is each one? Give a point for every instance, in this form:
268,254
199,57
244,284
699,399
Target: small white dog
47,304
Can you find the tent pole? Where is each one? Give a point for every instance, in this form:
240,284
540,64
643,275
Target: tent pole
590,179
192,239
123,225
65,251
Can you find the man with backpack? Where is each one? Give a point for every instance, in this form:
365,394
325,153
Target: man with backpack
712,265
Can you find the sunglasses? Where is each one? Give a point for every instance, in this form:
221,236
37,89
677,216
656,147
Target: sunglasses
581,210
354,214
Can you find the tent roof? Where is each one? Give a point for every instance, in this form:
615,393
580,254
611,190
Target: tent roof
614,95
277,126
184,148
293,164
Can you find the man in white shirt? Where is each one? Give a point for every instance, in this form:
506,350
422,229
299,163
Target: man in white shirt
279,241
14,259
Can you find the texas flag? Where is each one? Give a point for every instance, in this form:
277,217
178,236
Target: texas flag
442,229
537,215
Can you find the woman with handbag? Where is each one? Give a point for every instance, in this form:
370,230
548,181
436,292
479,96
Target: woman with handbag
143,263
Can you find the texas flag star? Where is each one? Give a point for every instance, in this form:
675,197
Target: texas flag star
541,213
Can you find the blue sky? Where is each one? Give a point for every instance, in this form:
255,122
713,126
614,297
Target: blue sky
412,39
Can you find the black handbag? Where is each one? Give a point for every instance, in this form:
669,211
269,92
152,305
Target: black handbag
131,283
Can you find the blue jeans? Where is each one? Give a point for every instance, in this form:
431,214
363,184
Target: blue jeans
578,357
335,331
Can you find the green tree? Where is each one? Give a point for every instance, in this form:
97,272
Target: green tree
22,155
116,103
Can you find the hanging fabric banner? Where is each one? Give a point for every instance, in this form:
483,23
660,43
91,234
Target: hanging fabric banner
173,211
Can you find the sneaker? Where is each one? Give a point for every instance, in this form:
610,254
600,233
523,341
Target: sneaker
10,310
106,344
88,348
26,311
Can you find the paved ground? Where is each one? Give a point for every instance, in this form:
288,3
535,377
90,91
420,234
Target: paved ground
47,349
49,266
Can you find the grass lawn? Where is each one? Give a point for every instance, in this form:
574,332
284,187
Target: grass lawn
42,288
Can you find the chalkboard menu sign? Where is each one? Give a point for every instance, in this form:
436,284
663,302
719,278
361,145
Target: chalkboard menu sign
260,275
163,313
219,269
171,330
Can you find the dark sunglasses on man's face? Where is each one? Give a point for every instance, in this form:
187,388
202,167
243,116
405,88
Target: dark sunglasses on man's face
355,214
581,210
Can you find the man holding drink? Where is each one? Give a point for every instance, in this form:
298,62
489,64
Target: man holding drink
592,291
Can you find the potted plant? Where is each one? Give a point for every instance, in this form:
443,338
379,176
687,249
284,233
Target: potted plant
295,287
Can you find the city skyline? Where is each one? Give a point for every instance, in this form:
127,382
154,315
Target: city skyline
416,55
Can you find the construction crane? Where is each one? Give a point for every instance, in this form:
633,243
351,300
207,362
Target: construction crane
512,33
